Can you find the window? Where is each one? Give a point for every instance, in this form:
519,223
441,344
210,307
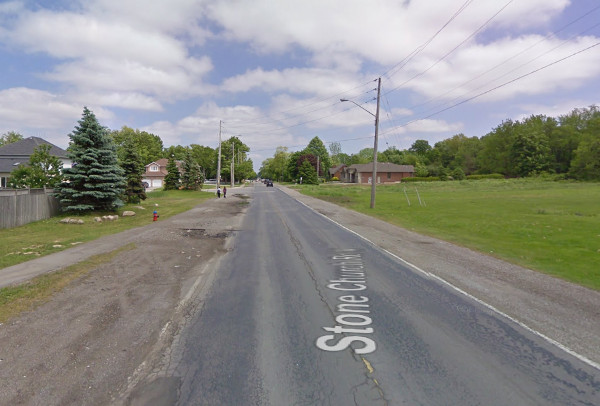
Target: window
154,168
389,175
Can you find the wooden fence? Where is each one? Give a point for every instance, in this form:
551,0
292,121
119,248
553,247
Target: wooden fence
22,206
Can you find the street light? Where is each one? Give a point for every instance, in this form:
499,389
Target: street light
376,115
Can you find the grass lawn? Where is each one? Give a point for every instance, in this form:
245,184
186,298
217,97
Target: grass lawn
553,227
44,237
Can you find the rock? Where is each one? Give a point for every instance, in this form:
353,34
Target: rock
139,207
128,213
110,217
97,219
69,220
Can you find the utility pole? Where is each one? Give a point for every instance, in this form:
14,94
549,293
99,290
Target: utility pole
376,115
232,162
219,160
374,177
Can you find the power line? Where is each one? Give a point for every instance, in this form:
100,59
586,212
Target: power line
419,49
502,85
452,50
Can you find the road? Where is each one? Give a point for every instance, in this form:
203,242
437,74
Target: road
303,312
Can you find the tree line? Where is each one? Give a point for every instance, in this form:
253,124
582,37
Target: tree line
108,165
567,147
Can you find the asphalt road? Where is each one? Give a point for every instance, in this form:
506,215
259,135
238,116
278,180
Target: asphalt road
304,312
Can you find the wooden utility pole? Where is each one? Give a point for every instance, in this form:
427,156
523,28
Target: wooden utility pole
232,162
374,176
219,159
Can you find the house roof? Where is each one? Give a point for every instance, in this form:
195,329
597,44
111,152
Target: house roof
162,168
383,167
333,170
13,154
27,146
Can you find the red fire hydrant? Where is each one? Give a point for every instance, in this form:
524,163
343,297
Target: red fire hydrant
155,216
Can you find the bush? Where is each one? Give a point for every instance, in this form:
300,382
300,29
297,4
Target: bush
335,179
458,174
421,179
488,176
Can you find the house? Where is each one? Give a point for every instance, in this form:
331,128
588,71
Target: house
155,173
18,153
386,173
336,171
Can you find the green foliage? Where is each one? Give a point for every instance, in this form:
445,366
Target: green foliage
95,181
206,158
149,147
242,165
317,148
172,179
133,170
308,173
586,162
421,179
488,176
9,138
529,152
420,147
458,174
191,178
43,170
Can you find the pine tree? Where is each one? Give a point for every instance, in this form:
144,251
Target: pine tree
95,181
133,168
172,178
191,179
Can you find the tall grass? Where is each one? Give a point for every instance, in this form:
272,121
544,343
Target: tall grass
553,227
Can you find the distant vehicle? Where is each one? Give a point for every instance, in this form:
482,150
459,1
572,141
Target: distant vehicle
269,183
211,181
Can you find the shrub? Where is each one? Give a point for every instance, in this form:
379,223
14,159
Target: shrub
421,179
488,176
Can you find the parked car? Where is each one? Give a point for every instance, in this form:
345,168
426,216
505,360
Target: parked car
269,183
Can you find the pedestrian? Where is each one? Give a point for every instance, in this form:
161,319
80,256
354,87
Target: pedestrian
219,192
225,192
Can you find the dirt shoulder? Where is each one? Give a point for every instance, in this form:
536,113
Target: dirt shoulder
564,312
85,344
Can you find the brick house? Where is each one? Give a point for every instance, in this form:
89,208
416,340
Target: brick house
386,173
336,171
17,153
156,171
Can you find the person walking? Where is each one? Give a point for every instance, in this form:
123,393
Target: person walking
224,192
219,192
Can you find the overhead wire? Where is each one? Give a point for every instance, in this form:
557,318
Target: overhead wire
502,85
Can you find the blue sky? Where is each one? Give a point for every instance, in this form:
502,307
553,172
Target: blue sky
273,71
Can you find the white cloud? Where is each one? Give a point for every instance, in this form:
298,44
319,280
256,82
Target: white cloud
40,109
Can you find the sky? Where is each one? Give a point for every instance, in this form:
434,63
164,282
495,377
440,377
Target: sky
272,72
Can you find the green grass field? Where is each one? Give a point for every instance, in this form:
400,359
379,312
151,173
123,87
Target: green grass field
45,237
552,227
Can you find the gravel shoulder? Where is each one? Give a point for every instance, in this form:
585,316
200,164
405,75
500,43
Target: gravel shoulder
88,343
95,341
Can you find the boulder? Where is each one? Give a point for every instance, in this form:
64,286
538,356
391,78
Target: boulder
128,213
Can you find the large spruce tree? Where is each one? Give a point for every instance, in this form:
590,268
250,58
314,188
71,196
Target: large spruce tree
134,169
173,177
95,181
